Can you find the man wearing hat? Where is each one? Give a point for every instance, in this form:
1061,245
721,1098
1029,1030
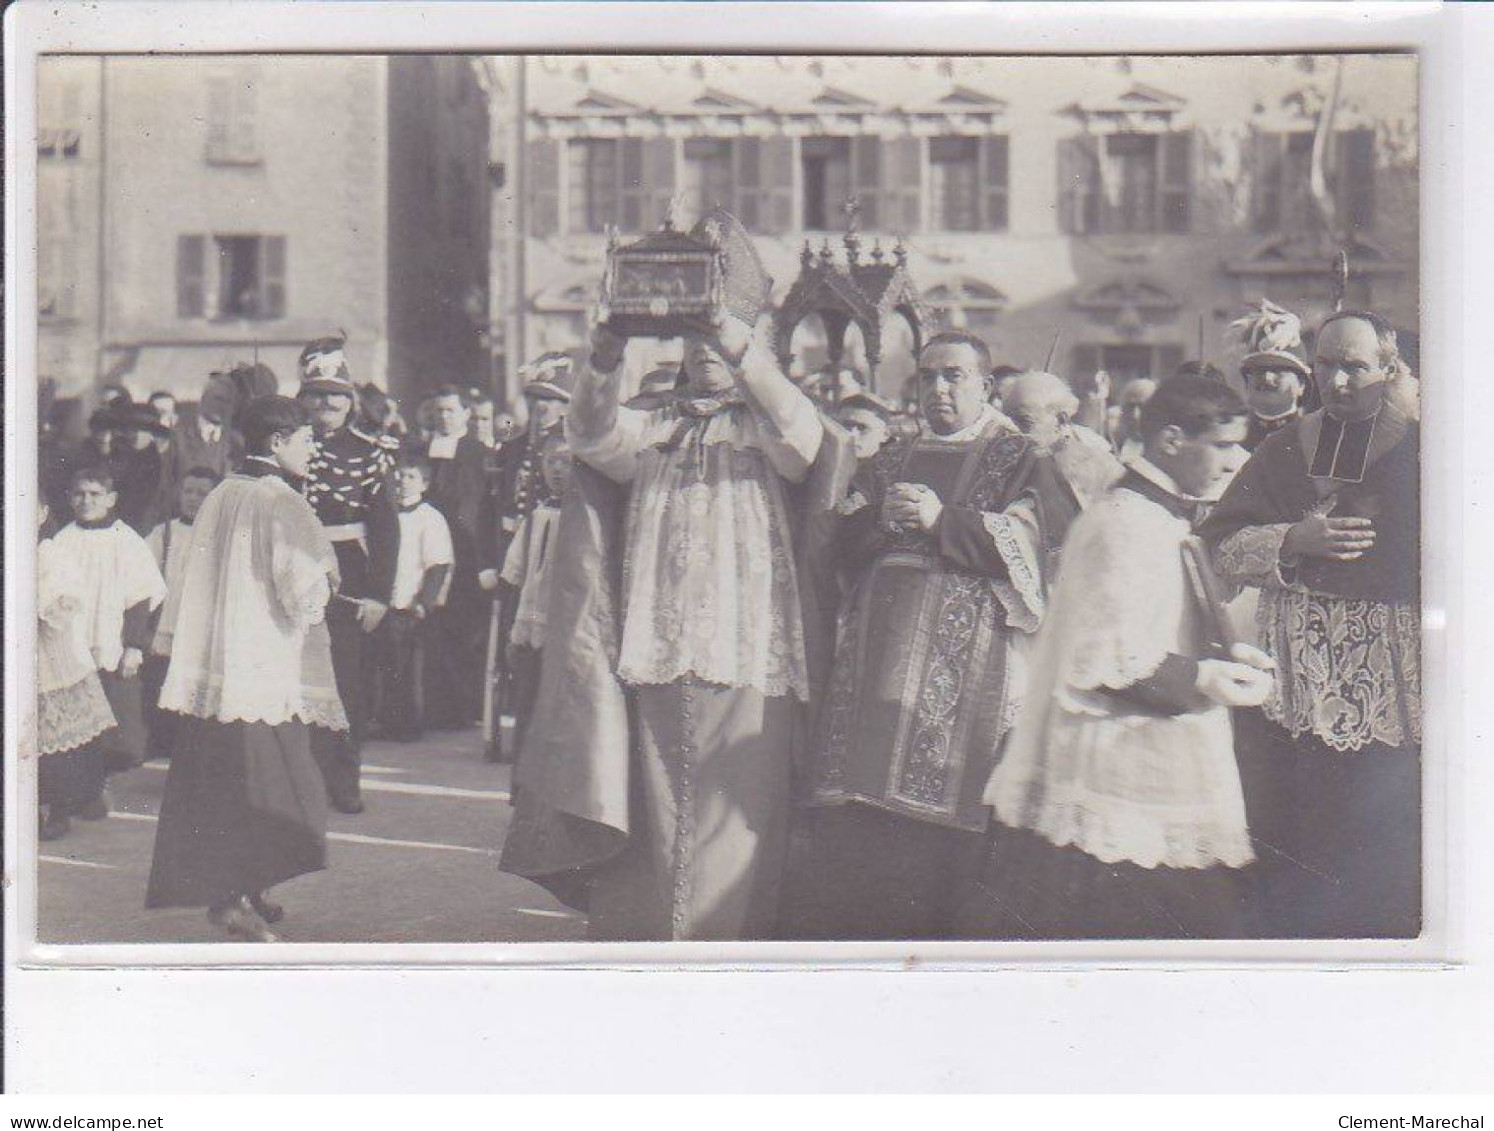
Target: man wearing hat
348,485
1274,370
136,464
548,385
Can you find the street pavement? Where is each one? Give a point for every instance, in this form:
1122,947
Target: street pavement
420,864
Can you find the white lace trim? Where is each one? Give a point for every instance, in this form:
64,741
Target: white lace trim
205,701
70,716
1021,591
1159,792
1348,669
710,586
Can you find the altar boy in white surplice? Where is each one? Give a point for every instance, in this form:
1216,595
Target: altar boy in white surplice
1120,794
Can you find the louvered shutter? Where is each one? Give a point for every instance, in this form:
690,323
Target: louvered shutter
1356,179
995,176
1270,149
191,272
544,187
866,182
272,274
1174,200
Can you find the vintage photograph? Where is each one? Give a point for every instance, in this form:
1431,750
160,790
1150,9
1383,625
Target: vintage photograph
557,498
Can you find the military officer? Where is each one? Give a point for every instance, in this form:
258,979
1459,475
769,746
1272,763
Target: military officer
520,487
349,485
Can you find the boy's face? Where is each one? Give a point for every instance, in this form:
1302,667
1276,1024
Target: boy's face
482,422
1200,464
409,485
194,490
555,466
868,430
92,501
294,450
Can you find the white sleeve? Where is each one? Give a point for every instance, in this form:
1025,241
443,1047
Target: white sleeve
515,560
436,544
139,574
614,452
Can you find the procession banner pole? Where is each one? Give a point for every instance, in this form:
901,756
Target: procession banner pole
1053,351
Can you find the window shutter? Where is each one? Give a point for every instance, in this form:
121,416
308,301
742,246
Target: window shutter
272,276
1177,177
544,187
749,166
1079,187
866,182
1270,150
903,184
1356,179
777,185
243,140
995,175
191,271
660,162
633,191
219,113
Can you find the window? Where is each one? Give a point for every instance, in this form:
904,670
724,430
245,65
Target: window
233,117
954,180
1126,183
1283,196
968,182
594,180
244,278
1125,362
623,181
708,174
827,181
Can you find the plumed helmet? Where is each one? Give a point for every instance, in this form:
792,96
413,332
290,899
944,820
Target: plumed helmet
324,368
1272,336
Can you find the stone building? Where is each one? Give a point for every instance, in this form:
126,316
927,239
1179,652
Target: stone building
1137,204
197,212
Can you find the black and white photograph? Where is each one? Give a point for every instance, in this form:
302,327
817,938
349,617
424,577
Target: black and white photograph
653,498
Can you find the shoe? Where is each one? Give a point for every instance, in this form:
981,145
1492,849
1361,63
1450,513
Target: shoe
95,810
54,825
350,805
241,920
268,911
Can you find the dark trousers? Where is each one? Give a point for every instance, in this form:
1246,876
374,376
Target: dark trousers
857,872
399,675
524,675
68,781
1337,834
158,723
124,743
339,755
454,659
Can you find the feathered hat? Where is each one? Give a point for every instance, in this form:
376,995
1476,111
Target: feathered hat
1272,336
324,368
550,377
746,282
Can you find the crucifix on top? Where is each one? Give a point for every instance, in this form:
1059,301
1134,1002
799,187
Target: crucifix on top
852,210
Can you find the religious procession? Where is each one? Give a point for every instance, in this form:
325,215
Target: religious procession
1012,648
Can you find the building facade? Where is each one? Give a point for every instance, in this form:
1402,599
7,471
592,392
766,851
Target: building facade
1126,209
199,212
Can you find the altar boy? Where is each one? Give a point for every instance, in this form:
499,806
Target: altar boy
121,587
1120,795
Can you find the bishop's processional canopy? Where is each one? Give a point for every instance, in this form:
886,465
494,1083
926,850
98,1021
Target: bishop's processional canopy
867,292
